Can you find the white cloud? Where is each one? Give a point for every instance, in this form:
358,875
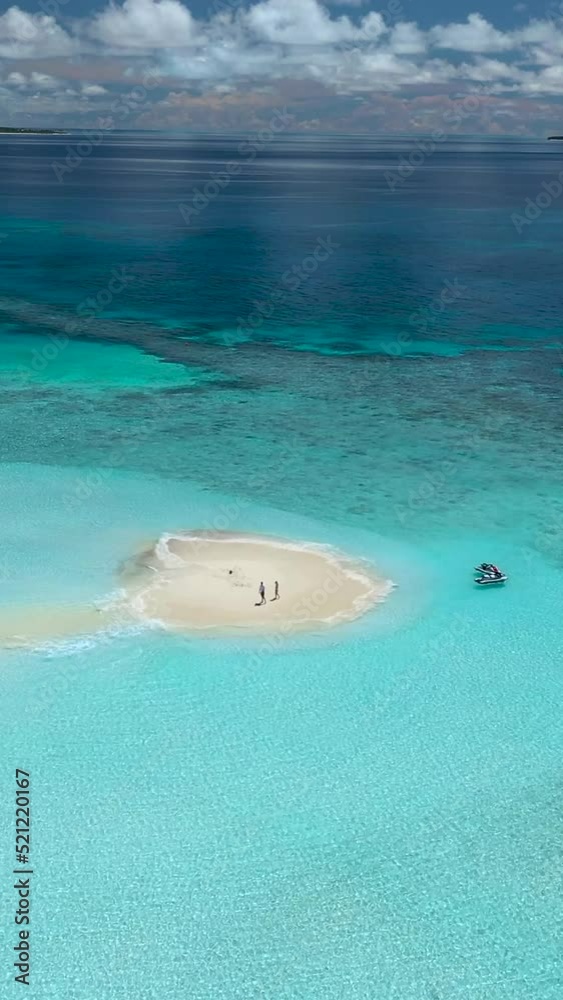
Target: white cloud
24,35
301,22
36,81
407,39
93,90
144,24
42,81
16,80
372,26
488,71
305,46
543,41
476,35
548,81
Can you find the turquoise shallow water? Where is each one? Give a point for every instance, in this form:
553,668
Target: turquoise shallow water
373,811
373,814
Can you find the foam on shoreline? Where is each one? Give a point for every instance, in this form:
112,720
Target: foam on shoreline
205,580
208,582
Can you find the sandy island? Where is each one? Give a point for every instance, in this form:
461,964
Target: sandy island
209,582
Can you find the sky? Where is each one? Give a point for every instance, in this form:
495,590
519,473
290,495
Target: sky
352,66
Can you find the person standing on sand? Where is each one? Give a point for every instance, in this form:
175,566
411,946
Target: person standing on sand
276,596
262,592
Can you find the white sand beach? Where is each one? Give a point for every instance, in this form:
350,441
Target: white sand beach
210,581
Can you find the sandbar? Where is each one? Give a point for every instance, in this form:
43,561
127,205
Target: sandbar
204,580
208,582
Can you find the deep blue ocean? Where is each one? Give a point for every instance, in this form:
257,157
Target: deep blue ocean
372,815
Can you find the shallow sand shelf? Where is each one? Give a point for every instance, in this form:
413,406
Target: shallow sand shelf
210,580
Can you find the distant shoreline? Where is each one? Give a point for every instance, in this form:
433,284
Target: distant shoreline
32,131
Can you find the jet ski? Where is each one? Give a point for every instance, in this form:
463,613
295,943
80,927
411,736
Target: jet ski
488,579
489,574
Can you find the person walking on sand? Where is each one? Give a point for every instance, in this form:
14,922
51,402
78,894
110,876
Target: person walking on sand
276,596
262,592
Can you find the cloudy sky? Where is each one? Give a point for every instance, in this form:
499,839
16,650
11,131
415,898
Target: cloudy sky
346,66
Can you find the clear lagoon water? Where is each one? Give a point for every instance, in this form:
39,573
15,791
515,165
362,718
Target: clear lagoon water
370,815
